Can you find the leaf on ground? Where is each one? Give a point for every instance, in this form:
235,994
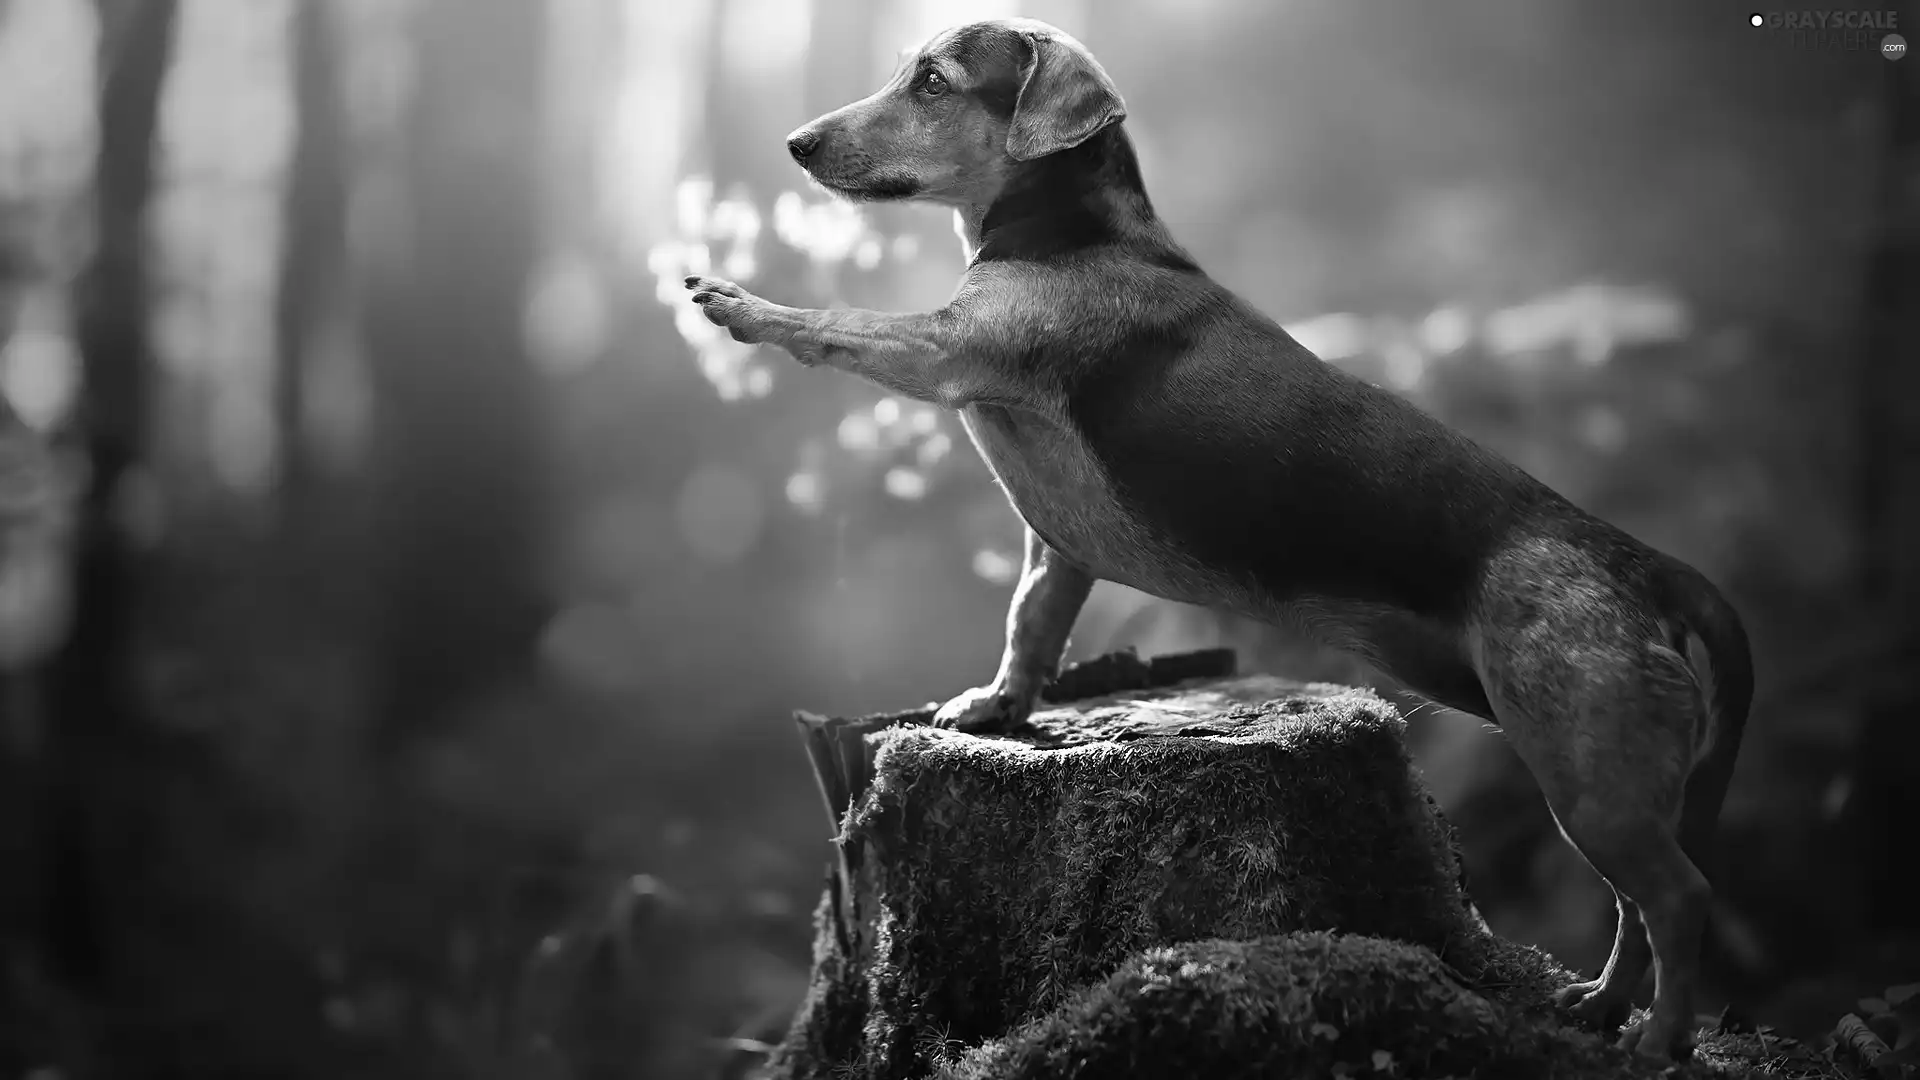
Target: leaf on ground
1904,1002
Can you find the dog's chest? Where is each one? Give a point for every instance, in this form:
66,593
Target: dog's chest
1063,494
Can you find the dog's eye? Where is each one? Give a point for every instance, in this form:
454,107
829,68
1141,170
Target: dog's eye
933,84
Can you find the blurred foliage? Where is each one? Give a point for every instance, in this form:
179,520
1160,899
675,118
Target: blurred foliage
1632,264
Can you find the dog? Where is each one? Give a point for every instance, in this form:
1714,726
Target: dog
1153,429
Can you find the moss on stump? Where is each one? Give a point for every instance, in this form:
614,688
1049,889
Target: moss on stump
1304,1004
1228,877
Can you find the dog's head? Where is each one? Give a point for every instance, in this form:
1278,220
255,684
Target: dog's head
961,115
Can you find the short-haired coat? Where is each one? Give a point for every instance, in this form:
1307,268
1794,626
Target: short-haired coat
1153,429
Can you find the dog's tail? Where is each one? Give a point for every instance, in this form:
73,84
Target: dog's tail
1714,642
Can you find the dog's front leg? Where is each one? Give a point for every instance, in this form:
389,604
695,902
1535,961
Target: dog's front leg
911,355
1045,605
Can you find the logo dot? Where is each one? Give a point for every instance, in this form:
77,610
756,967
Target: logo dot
1757,19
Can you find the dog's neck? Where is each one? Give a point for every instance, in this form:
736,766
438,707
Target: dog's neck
1086,196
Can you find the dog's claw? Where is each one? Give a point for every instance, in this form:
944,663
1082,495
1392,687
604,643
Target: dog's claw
716,286
1589,1004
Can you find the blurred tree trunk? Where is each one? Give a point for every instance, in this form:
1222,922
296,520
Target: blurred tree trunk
841,60
457,440
90,696
1885,802
731,110
313,255
585,65
749,104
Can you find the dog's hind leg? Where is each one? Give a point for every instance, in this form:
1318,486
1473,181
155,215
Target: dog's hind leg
1643,862
1607,718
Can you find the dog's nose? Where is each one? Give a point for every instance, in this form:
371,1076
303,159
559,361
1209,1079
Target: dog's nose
802,143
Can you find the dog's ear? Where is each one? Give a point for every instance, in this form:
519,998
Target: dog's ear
1065,99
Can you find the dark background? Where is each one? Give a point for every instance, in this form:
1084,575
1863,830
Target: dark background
403,592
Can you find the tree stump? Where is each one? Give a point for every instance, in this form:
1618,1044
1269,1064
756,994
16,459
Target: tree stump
1171,872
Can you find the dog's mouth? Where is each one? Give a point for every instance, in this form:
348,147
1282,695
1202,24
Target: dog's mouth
875,187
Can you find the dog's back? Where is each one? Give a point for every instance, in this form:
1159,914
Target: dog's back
1297,479
1154,430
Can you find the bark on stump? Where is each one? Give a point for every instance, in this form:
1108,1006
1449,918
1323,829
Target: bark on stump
1172,873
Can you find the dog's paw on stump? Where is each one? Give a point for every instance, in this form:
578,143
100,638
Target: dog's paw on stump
1015,905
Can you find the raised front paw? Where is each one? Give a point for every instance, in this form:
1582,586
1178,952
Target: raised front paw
746,317
985,708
